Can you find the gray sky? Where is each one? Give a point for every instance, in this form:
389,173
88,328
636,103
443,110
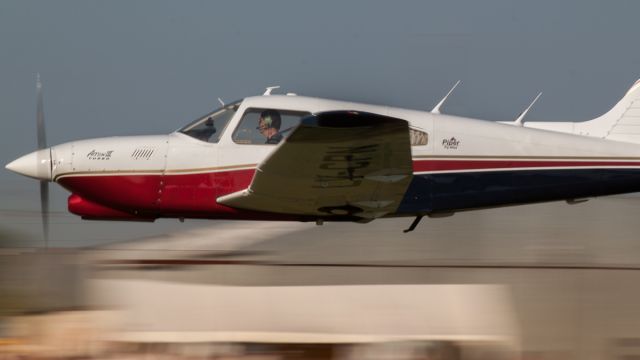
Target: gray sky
145,67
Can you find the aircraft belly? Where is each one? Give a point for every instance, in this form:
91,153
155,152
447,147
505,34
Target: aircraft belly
455,191
132,192
197,192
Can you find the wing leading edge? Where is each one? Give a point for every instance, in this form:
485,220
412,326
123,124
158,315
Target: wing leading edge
334,163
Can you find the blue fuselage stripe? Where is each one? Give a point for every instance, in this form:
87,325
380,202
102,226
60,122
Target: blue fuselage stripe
445,192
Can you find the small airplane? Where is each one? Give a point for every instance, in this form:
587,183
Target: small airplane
296,158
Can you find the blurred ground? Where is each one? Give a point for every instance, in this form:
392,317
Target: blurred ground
569,271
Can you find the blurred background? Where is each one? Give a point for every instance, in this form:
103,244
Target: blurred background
548,281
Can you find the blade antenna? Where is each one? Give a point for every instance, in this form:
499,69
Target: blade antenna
436,109
269,89
520,119
42,143
415,223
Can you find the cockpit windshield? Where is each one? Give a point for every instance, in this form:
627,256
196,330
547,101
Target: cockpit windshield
210,127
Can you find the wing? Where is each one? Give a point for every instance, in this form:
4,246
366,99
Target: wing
333,163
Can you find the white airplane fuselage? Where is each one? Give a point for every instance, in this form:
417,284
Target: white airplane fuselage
458,164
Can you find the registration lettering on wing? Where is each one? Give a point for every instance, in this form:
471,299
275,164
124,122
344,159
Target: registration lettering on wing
343,166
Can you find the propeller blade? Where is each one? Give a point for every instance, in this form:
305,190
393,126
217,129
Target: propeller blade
42,136
44,184
44,210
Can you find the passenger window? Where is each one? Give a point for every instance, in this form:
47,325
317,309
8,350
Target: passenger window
266,126
418,137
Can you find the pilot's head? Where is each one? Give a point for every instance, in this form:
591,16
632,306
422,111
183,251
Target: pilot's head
269,119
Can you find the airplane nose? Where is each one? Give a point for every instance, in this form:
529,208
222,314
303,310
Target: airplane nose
36,165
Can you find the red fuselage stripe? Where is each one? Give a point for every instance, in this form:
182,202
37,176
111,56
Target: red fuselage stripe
468,164
195,194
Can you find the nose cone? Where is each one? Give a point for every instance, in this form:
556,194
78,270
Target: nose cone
36,165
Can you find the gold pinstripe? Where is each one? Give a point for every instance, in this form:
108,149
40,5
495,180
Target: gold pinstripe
417,157
154,172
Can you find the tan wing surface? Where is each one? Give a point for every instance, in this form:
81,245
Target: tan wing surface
333,163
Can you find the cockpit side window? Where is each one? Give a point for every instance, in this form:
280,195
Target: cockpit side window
210,127
266,126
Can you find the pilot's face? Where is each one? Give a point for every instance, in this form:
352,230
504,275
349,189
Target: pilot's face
262,125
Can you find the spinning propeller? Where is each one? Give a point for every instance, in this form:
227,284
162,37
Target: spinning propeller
38,165
42,145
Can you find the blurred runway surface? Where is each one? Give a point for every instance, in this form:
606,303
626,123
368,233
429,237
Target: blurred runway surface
571,271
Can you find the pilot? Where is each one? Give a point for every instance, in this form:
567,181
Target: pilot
269,126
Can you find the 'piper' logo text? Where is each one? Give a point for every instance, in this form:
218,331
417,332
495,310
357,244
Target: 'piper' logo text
450,143
98,155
